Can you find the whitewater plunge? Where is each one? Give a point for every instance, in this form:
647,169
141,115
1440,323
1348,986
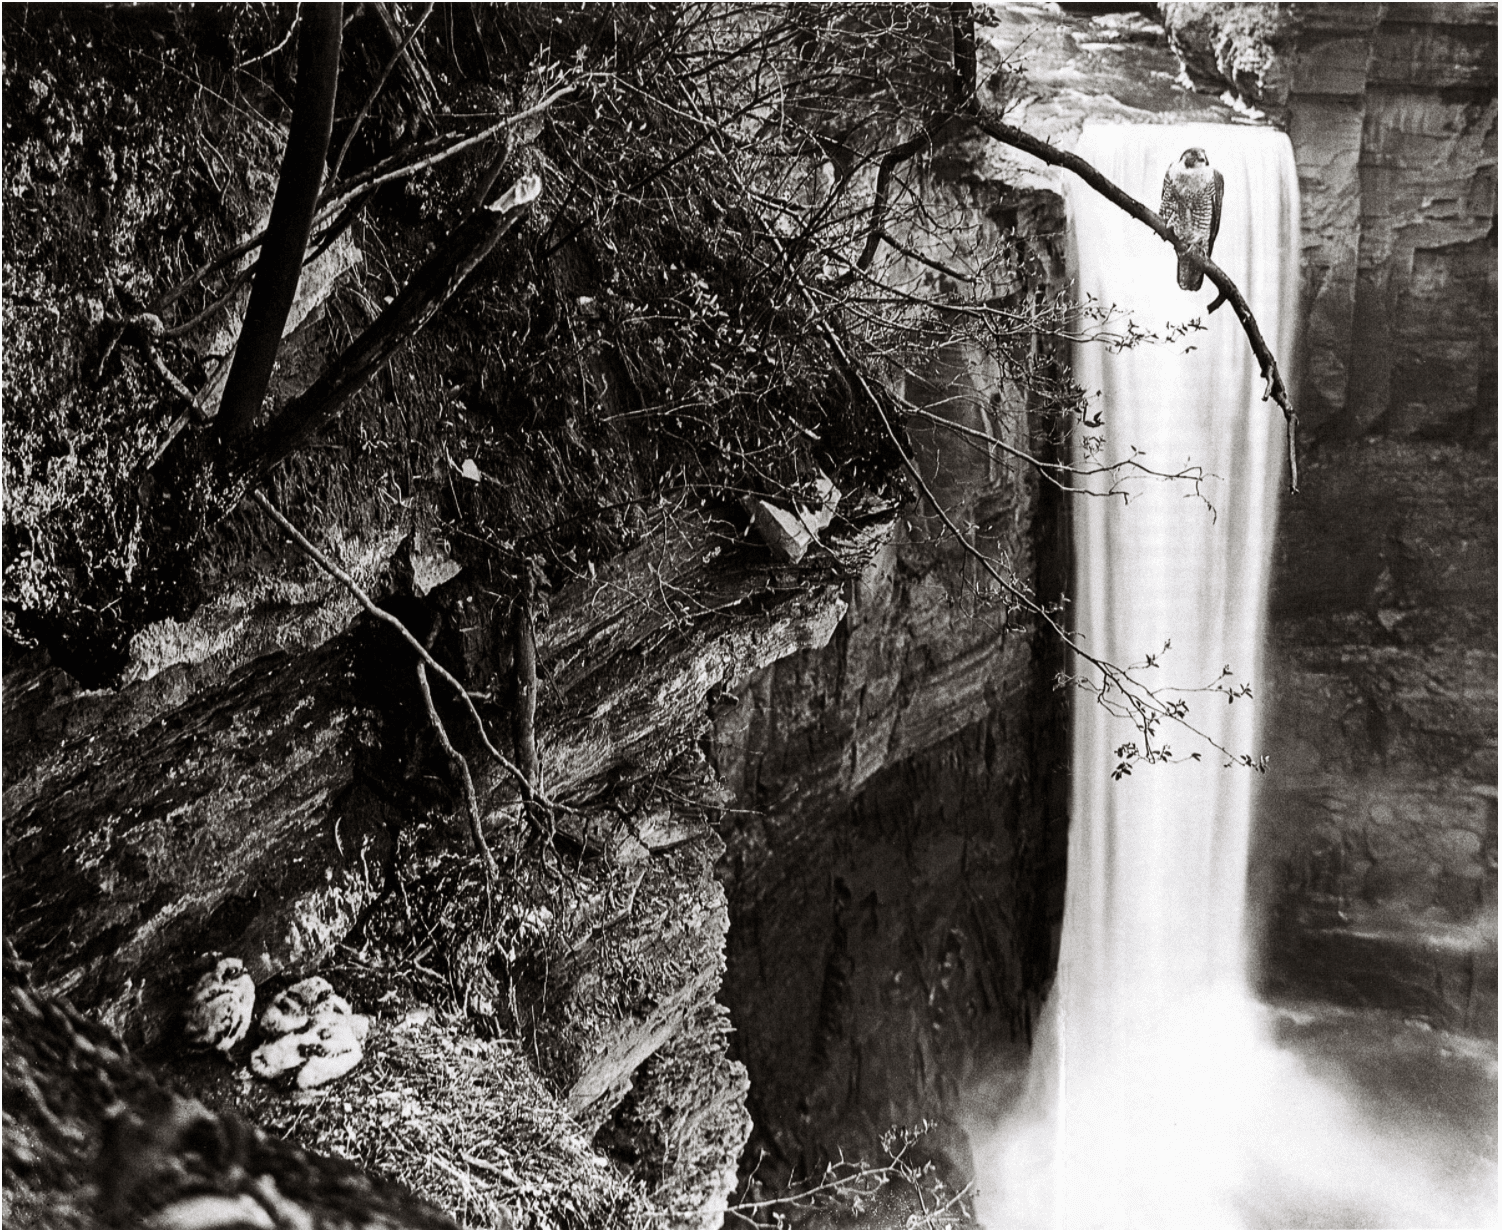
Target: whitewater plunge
1154,1098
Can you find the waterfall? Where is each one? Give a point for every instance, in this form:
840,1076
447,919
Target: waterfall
1153,1099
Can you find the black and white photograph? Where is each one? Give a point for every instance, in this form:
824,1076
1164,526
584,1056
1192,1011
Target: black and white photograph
749,616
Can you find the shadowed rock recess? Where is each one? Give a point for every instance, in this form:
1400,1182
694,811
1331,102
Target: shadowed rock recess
809,882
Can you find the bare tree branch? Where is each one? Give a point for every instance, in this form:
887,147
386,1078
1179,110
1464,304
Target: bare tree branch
375,92
524,653
291,220
407,162
1050,470
1040,149
461,771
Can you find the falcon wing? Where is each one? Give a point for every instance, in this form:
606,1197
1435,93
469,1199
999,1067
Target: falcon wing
1215,198
1168,210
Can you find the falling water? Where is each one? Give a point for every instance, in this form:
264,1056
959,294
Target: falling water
1153,1099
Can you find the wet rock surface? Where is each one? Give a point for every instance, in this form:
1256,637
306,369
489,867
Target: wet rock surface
894,858
1376,861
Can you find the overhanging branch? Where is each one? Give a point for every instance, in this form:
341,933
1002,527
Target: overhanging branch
1229,292
424,294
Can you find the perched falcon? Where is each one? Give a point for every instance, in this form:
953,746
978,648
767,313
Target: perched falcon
1192,192
219,1010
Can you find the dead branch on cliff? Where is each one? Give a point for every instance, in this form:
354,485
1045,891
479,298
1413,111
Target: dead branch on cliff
461,771
524,655
962,107
375,91
1050,471
337,200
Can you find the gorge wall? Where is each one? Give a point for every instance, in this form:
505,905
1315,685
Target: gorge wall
253,771
1377,853
894,863
889,749
861,914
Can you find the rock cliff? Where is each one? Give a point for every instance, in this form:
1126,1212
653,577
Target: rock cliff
835,785
895,870
1376,859
232,756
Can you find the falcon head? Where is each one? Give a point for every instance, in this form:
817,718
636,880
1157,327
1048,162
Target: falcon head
1194,158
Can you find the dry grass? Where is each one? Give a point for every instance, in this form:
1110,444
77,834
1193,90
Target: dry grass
462,1121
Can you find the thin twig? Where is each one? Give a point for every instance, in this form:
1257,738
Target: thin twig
914,254
461,770
215,307
1049,469
375,93
349,583
524,652
449,151
361,184
286,38
154,356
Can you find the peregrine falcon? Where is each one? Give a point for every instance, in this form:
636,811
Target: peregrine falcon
1192,193
219,1011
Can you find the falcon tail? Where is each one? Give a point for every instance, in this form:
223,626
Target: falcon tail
1191,277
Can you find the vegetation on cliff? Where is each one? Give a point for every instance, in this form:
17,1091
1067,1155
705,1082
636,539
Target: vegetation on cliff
537,438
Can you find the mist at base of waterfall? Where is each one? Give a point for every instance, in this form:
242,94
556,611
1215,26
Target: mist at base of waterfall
1159,1094
1238,1117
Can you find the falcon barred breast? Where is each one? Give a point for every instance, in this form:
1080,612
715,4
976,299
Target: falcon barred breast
1192,193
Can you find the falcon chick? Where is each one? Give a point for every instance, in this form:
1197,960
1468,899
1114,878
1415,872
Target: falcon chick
1192,193
220,1008
328,1048
299,1004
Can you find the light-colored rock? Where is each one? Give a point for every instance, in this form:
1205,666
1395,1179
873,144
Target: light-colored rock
790,532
